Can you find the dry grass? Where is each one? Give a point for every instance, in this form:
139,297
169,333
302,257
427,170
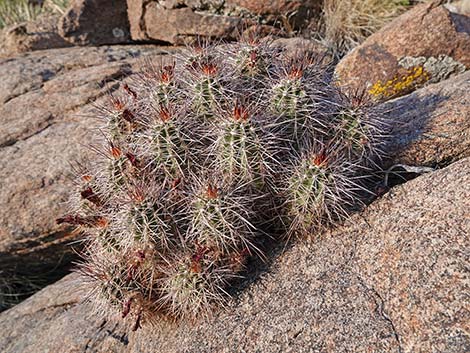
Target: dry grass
14,288
16,11
347,23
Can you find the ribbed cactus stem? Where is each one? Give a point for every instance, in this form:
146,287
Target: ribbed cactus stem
168,147
107,240
185,286
149,226
163,94
210,225
293,108
307,189
116,126
221,219
121,121
191,283
239,151
164,91
354,134
206,92
117,167
286,97
142,219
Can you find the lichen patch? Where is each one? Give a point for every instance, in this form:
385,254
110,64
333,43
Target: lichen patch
438,68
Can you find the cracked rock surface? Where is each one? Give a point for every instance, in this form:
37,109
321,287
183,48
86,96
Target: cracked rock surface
393,279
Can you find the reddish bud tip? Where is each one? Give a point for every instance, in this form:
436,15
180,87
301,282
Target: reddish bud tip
167,73
209,69
196,267
129,91
128,115
320,159
118,105
140,255
296,73
132,159
200,252
101,222
240,113
89,195
115,151
137,195
253,58
211,192
175,183
164,113
87,178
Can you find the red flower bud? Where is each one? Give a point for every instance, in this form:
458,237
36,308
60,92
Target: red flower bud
128,115
240,113
320,159
211,192
89,195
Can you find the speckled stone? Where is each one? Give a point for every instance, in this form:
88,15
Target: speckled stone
395,278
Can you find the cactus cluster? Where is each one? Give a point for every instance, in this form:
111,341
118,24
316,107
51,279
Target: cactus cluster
203,155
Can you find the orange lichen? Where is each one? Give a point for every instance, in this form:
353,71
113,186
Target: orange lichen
400,84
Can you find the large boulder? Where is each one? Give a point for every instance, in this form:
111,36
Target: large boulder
392,279
36,35
180,21
95,22
45,103
431,126
427,44
296,12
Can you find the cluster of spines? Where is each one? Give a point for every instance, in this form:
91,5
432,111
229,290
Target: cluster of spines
200,154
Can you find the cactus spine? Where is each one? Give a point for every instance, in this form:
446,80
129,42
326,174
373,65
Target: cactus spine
199,156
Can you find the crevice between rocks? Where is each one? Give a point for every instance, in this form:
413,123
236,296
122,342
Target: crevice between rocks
33,264
12,142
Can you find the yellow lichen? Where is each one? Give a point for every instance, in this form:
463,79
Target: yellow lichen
400,84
